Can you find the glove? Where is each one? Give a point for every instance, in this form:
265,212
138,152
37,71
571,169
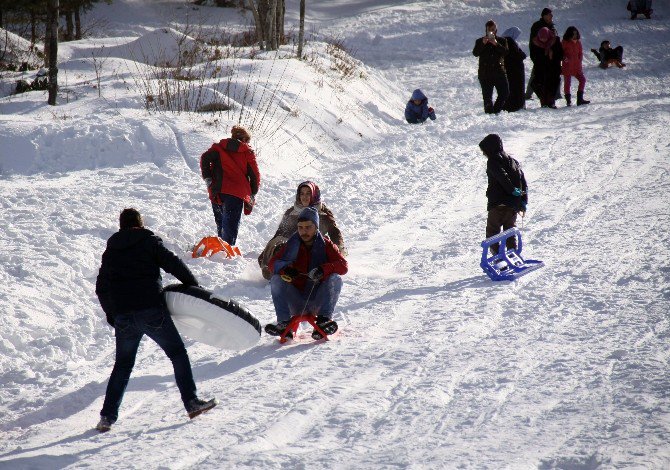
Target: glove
431,110
288,273
315,274
516,192
249,206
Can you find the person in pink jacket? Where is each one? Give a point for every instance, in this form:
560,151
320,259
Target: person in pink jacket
572,65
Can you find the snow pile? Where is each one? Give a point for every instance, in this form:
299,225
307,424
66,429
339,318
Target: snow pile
16,50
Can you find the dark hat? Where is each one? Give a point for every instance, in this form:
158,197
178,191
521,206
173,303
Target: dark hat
309,214
546,11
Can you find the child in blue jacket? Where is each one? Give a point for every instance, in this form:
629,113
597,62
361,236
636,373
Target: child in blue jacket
417,110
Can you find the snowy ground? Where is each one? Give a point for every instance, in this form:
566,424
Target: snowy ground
435,365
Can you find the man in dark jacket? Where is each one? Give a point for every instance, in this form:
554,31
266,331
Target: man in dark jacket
229,168
507,191
307,272
491,50
130,293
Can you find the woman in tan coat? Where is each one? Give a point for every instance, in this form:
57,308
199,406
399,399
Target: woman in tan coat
307,194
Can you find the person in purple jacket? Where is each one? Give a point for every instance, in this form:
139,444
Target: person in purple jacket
417,109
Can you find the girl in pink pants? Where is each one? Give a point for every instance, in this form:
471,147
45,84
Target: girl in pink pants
572,65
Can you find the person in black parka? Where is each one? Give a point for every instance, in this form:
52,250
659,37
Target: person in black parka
491,50
546,21
507,191
547,55
516,72
130,292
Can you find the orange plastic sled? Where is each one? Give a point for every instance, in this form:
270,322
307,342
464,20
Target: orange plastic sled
211,245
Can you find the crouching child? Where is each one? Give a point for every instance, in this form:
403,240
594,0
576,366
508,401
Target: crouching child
306,277
417,109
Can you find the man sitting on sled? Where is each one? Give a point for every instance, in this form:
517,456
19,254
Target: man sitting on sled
306,277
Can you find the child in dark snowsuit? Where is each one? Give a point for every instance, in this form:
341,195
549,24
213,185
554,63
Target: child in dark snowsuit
417,110
608,56
507,191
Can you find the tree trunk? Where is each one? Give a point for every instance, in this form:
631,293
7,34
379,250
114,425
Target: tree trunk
281,12
301,33
33,29
259,23
53,50
77,24
272,30
69,21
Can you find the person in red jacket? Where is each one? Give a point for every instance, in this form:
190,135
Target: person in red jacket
572,65
307,277
229,168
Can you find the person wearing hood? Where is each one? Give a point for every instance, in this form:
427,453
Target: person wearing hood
308,194
417,109
306,277
491,51
130,293
231,173
507,191
547,55
516,73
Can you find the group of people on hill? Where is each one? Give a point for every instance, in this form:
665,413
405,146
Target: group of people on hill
304,262
501,65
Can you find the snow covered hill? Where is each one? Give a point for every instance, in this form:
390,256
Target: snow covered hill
435,365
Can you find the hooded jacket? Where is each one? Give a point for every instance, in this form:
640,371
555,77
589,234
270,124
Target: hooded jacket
504,174
417,113
130,277
231,165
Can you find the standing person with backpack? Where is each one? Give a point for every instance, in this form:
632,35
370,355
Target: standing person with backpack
230,170
572,65
507,191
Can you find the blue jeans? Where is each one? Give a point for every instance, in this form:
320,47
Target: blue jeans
227,216
289,301
157,324
502,88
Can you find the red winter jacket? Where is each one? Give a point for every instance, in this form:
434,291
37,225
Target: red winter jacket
335,262
232,167
572,57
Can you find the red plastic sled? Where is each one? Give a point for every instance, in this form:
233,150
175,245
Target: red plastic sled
294,324
210,245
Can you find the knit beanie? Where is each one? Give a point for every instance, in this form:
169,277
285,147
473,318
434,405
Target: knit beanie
240,133
309,214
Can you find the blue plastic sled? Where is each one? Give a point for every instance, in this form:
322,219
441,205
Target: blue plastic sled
508,264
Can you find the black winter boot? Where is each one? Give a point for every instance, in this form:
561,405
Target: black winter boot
580,98
568,99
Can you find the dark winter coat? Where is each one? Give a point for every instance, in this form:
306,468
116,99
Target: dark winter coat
547,69
130,277
232,167
516,76
491,58
416,114
504,174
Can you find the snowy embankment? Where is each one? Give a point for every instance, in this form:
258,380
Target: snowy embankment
435,366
